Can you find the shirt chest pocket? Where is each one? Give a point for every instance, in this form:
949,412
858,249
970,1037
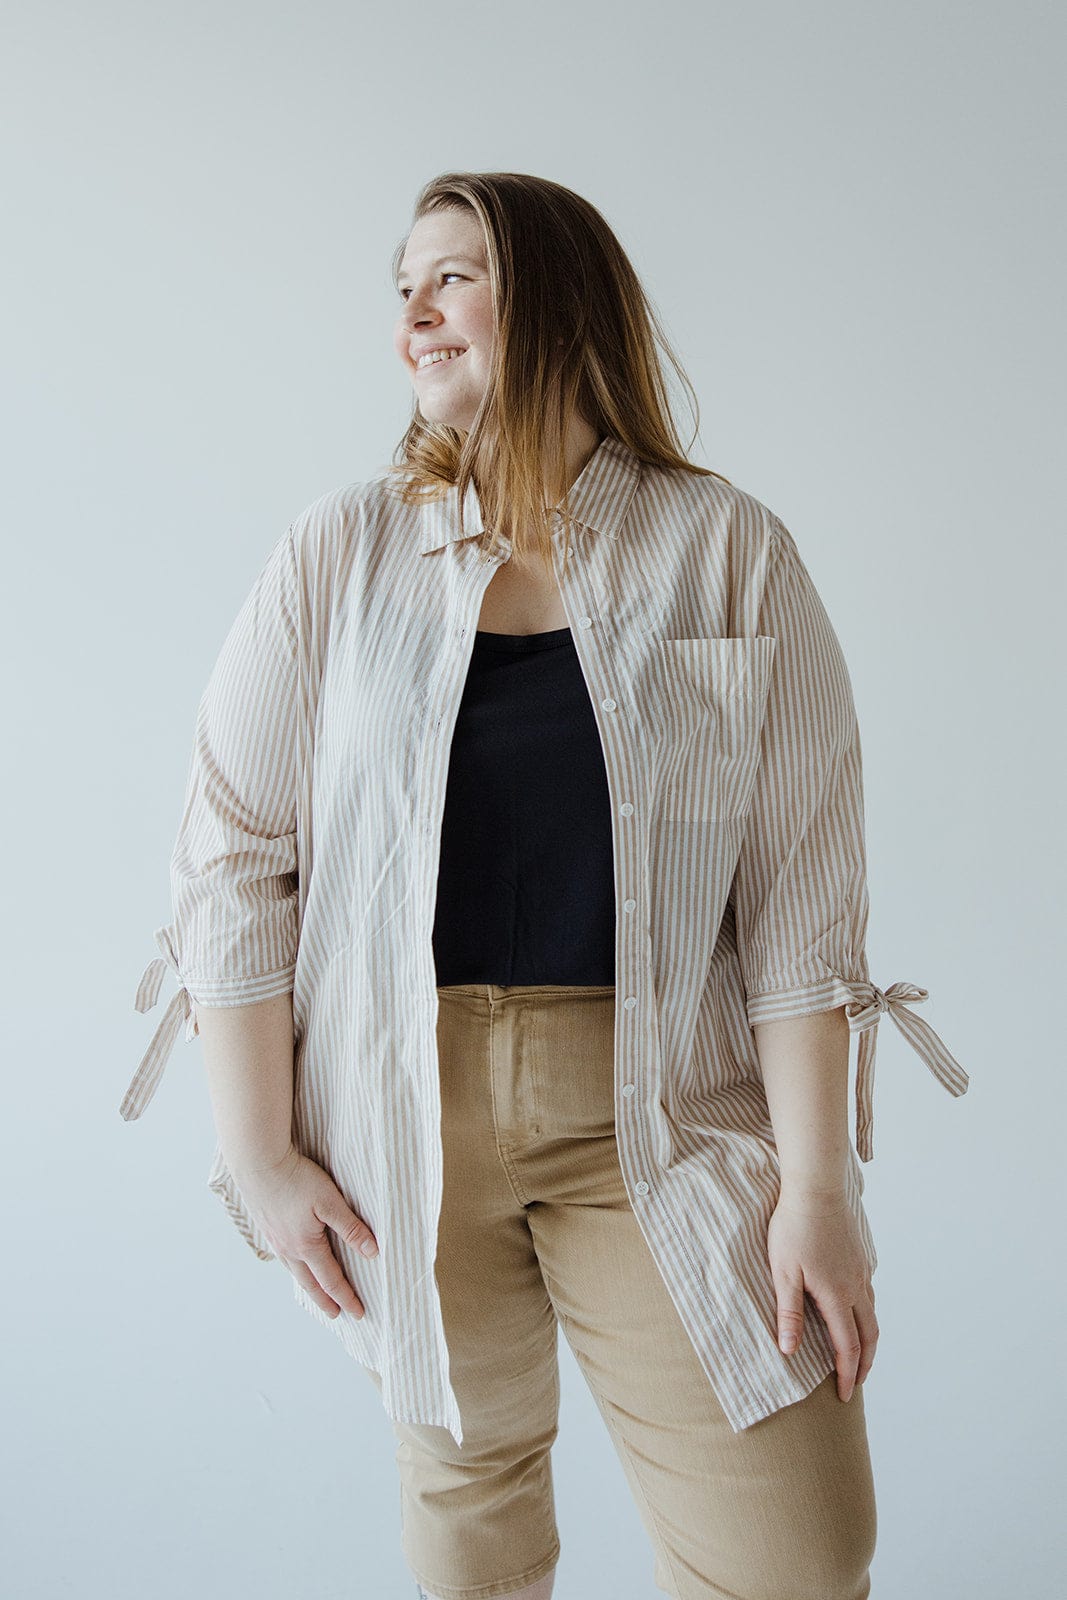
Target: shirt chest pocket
712,702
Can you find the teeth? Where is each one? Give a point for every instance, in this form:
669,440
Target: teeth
437,355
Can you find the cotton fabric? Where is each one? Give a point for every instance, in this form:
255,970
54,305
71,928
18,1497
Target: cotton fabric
306,861
537,1233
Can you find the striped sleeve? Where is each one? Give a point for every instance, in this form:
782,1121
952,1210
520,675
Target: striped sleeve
800,889
233,868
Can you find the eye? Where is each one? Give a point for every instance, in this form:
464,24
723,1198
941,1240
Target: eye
405,292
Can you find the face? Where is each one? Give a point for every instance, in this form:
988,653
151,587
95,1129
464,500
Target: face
446,301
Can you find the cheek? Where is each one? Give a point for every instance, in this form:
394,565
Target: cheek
482,323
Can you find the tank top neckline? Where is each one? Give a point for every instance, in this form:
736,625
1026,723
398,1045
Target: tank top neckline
522,641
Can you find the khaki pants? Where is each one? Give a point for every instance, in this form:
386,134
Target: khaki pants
537,1231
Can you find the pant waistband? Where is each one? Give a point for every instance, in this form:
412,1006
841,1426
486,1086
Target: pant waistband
501,991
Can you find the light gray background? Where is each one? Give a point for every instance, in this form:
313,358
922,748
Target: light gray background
849,218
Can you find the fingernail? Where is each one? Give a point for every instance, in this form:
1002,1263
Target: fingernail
788,1342
369,1248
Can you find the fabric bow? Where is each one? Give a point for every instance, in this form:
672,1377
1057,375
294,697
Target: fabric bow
145,1080
870,1003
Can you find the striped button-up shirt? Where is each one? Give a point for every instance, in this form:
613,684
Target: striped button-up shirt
308,852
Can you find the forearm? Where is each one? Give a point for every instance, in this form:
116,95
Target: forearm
804,1062
248,1057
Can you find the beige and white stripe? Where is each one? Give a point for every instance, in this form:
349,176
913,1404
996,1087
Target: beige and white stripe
306,860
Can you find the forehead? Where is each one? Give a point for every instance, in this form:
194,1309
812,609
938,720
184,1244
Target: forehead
441,236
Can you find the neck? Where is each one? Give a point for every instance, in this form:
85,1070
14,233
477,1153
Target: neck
581,443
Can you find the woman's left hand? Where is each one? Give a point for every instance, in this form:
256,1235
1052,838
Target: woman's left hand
814,1244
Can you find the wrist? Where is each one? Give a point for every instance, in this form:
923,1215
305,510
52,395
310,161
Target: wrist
262,1165
813,1199
812,1186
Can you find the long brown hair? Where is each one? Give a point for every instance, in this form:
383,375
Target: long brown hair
575,332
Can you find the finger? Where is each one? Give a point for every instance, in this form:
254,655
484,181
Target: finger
845,1337
307,1280
790,1293
867,1323
345,1223
328,1271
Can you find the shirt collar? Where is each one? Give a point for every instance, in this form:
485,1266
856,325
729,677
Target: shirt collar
599,499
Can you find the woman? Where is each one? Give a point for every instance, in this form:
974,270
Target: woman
520,892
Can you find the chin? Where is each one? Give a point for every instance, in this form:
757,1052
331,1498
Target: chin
447,419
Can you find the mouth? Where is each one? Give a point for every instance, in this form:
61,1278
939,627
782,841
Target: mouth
439,361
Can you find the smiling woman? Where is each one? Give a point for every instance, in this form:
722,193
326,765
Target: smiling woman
444,282
522,908
525,280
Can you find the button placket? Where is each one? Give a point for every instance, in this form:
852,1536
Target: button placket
608,703
641,1187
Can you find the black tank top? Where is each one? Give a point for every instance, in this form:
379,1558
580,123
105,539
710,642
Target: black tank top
526,885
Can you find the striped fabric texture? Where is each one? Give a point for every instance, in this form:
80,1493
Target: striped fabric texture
307,855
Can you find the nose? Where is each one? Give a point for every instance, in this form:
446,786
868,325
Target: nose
416,310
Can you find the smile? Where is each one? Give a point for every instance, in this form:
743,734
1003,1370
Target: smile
437,358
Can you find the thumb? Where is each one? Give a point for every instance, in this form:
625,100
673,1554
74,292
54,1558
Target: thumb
790,1292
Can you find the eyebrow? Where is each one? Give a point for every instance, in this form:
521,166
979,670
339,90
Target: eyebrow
471,261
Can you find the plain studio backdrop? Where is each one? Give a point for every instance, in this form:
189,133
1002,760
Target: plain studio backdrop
850,219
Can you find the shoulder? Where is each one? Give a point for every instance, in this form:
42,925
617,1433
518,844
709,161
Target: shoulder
710,506
327,531
330,519
736,532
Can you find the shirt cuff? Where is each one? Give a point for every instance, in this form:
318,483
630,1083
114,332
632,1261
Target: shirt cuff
227,992
864,1005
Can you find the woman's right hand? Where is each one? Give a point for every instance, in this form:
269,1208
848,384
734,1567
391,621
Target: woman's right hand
293,1202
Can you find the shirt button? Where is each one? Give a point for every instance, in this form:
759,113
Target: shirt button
609,704
629,905
630,1002
627,809
628,1089
642,1187
585,622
